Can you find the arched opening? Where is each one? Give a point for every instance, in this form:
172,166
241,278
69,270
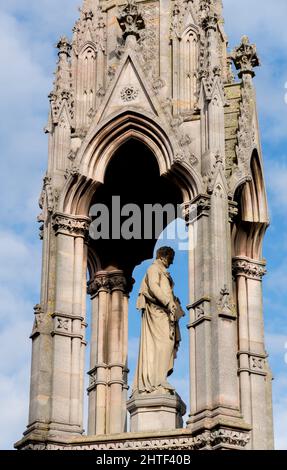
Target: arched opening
252,220
132,186
125,212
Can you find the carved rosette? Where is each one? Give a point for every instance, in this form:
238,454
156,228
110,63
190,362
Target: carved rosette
201,311
257,363
248,268
75,226
109,282
63,325
194,210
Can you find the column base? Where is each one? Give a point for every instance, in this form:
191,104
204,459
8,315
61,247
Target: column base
156,412
42,432
225,427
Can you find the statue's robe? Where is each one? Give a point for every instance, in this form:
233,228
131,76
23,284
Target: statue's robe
160,334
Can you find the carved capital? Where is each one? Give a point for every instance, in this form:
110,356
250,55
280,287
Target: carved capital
75,226
245,57
194,210
73,171
232,210
109,282
131,20
249,268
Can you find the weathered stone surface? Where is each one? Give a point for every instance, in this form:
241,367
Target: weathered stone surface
158,73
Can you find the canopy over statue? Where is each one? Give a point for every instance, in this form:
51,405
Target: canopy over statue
160,335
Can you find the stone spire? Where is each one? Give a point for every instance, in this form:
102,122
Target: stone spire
62,90
63,69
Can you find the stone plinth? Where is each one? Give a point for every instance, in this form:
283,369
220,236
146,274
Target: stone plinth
156,412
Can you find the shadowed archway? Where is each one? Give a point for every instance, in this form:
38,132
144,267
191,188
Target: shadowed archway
133,178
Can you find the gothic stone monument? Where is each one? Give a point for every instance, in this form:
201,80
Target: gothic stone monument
145,105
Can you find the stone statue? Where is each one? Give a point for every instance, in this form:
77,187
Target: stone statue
160,335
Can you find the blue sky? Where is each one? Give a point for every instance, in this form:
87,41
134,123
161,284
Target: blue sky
28,31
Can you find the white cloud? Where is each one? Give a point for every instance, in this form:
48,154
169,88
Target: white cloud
248,17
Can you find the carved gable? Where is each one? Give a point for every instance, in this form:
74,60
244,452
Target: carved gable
129,89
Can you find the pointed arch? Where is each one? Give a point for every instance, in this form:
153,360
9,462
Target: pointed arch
101,144
253,219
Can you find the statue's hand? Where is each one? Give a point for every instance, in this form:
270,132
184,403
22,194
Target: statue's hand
172,311
172,317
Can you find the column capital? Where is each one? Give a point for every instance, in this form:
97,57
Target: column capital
110,281
71,225
196,208
232,210
249,268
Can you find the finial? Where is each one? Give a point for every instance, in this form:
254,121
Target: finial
130,19
245,57
64,46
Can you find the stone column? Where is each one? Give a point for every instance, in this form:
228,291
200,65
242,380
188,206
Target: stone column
68,325
254,373
41,369
109,336
200,315
41,366
213,320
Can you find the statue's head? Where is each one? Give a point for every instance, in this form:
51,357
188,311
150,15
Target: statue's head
166,255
